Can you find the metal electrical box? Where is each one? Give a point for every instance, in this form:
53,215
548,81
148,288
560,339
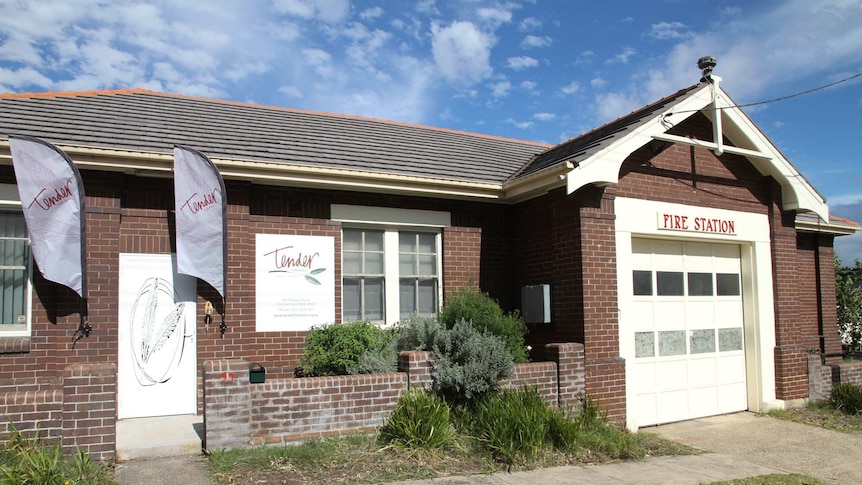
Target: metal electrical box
536,303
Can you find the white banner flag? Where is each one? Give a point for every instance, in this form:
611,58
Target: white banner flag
52,198
201,210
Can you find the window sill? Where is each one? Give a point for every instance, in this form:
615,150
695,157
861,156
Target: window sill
14,345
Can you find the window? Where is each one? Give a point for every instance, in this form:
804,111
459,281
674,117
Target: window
417,272
389,274
391,262
14,274
363,280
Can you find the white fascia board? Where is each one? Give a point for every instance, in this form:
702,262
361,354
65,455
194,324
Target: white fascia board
603,168
797,193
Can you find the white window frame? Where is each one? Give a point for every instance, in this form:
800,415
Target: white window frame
391,221
10,202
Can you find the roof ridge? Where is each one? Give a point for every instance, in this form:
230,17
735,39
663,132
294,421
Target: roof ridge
68,94
841,219
61,94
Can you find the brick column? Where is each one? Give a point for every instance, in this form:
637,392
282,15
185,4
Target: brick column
417,365
462,255
605,369
227,404
90,410
571,378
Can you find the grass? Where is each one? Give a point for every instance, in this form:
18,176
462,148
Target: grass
514,430
822,415
774,479
25,460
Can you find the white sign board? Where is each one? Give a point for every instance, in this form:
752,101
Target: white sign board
295,282
157,363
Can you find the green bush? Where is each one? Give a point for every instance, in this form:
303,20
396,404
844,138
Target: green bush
846,397
338,349
512,425
486,315
468,363
418,333
420,420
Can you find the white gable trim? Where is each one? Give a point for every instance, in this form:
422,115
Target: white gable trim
603,168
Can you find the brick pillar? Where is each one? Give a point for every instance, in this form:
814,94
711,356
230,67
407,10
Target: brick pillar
462,254
227,404
571,377
605,369
417,365
828,304
90,410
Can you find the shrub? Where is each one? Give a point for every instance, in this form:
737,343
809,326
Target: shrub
512,425
332,350
468,363
846,397
418,333
486,315
420,420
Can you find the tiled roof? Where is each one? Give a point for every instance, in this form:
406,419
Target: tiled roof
139,120
583,146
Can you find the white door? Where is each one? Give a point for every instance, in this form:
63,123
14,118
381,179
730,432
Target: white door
686,323
157,361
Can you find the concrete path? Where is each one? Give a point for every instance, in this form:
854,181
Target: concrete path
181,469
830,456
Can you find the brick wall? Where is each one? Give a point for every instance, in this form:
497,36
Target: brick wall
80,413
89,410
238,414
822,377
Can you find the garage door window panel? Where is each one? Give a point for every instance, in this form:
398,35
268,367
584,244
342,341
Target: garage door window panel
669,283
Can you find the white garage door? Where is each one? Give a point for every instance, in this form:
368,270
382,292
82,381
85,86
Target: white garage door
686,322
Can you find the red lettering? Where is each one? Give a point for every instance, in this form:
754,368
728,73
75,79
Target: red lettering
60,194
283,261
200,203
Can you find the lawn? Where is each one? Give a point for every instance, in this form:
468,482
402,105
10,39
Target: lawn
364,459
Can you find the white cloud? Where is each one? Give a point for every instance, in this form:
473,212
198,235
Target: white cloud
290,91
622,57
798,38
609,106
529,23
319,60
669,30
462,51
585,57
529,85
532,41
598,82
570,88
521,62
427,6
494,16
544,116
15,79
500,89
329,11
371,13
520,124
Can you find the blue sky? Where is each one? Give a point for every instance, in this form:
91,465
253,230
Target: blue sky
530,69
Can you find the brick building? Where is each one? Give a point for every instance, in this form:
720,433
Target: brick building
690,258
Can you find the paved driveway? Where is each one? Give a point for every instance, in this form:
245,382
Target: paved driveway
831,456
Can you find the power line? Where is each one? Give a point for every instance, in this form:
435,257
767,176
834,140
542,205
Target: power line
782,98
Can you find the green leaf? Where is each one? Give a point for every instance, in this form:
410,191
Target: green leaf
318,271
312,280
